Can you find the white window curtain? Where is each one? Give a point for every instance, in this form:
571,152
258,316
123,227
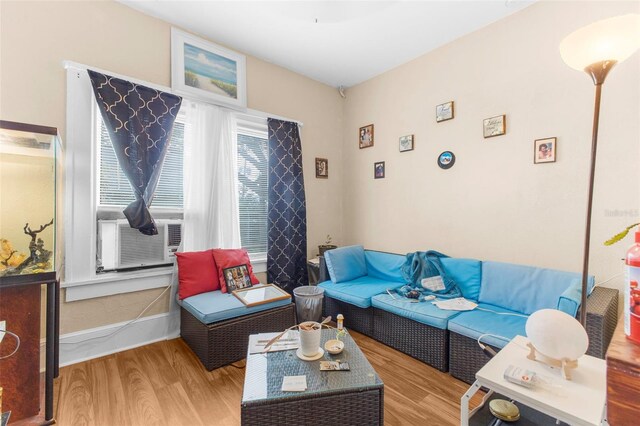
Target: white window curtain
211,215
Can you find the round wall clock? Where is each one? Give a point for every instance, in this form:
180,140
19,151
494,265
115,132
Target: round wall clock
446,160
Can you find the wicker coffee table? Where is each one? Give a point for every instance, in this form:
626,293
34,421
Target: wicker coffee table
354,397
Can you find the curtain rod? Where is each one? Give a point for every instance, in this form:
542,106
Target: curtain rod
250,112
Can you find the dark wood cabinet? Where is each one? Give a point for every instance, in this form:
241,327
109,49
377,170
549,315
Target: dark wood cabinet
623,379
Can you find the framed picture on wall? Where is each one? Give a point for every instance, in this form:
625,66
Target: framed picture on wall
206,71
444,112
365,136
544,150
494,126
406,143
322,168
378,170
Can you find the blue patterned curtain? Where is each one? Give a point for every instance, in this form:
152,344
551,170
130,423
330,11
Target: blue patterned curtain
287,246
139,121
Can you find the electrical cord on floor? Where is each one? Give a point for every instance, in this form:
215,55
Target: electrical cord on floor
124,325
15,336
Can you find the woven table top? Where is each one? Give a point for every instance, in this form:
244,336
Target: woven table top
265,372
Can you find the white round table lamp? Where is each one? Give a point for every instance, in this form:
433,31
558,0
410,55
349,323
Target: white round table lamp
556,339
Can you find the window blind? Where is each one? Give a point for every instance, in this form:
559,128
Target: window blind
253,190
114,188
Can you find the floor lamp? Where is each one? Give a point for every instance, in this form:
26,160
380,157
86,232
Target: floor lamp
595,49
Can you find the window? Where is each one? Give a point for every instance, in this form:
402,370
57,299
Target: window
253,188
114,189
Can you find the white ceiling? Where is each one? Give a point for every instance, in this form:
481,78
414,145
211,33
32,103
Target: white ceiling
351,42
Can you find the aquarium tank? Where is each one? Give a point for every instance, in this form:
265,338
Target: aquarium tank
30,186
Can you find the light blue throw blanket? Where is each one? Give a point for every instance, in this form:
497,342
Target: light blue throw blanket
426,264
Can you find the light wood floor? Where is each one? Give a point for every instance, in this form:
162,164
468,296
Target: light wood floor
165,384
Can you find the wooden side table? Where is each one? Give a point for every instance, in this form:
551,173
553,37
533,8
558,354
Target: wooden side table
623,385
580,401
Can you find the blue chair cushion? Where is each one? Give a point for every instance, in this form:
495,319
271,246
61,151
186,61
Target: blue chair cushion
346,263
569,301
475,323
214,306
467,273
422,312
385,266
524,289
358,292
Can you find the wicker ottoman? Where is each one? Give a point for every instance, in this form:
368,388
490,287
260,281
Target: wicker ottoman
224,342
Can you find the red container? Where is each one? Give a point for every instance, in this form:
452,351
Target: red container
632,292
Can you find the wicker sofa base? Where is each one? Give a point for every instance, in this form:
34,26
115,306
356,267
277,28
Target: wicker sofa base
358,319
224,342
425,343
344,408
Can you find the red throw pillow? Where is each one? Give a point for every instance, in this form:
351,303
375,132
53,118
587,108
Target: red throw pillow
197,273
227,258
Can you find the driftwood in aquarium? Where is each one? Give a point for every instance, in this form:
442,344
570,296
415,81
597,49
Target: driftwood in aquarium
39,257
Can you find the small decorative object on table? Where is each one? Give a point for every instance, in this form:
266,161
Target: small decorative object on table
556,339
326,246
334,346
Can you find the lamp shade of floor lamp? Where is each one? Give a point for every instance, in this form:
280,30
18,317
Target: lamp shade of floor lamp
595,49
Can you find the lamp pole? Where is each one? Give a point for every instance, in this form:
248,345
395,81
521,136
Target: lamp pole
598,73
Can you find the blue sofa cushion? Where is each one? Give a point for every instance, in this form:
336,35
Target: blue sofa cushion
467,273
214,306
524,289
475,323
346,263
358,292
422,312
385,266
569,301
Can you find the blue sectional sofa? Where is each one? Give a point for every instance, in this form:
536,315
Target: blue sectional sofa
356,283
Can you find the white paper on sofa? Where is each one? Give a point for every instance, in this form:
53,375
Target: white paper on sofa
457,304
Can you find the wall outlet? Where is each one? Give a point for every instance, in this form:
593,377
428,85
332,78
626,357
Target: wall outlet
3,326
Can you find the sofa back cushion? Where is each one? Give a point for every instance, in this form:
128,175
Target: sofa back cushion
346,263
384,266
467,273
524,289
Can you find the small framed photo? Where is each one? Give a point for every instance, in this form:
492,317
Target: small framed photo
444,112
494,126
322,168
237,277
406,143
207,72
544,150
378,170
365,136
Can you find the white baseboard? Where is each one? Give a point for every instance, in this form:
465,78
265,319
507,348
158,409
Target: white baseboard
96,342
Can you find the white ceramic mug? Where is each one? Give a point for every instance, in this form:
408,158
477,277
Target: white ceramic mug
310,339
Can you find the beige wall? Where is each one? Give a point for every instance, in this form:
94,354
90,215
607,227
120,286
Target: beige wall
35,37
495,203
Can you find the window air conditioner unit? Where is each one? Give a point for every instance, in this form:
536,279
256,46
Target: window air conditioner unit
122,247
